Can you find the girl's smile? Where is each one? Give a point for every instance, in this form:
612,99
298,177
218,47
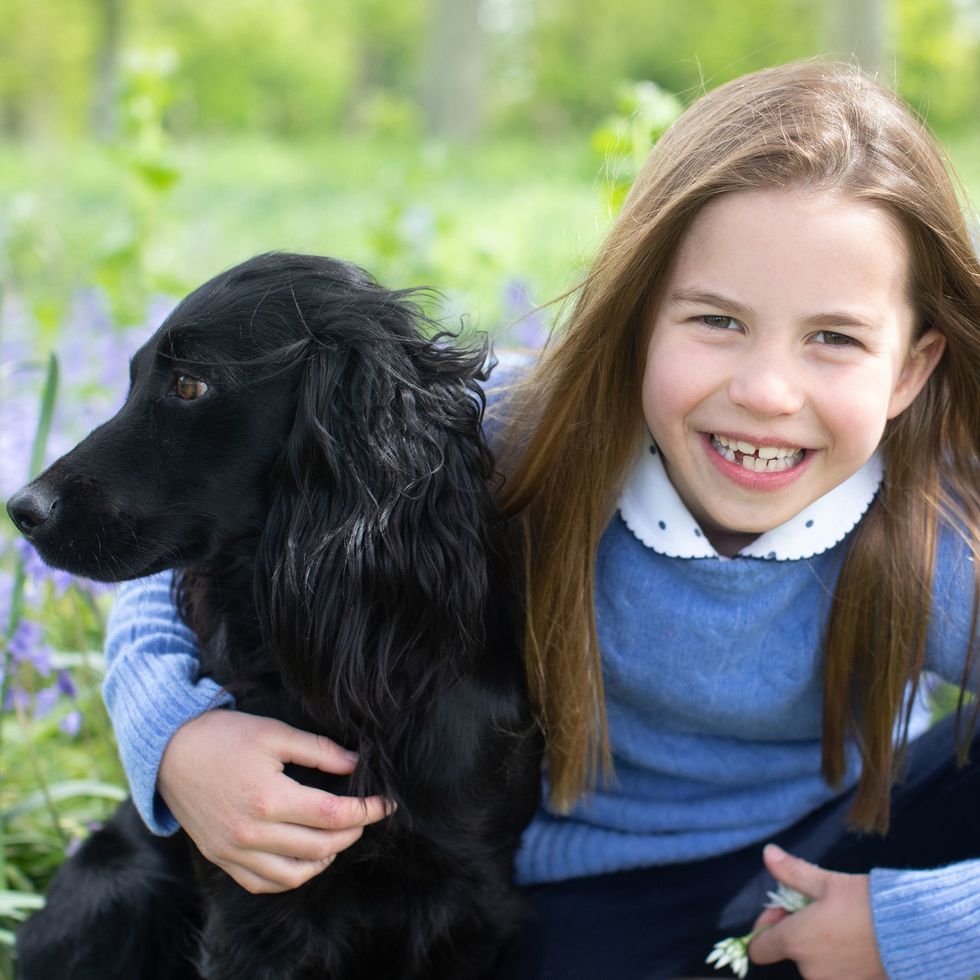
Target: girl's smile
757,463
782,346
759,458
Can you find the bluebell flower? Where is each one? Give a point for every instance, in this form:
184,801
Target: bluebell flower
531,328
65,684
27,646
6,597
17,699
37,572
71,724
45,700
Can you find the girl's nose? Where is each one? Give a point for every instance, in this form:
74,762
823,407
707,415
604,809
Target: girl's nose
766,387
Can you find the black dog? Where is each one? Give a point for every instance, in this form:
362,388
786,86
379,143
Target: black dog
312,463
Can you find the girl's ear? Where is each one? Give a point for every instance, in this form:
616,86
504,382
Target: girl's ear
921,362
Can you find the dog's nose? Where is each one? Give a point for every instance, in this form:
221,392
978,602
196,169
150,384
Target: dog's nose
31,507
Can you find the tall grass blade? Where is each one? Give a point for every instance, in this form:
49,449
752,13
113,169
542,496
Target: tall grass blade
64,791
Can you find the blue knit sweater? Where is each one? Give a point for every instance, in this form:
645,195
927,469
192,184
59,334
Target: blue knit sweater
713,684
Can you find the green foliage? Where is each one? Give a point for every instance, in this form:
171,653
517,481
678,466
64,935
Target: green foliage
46,87
49,394
244,65
303,68
48,796
584,48
144,162
123,185
939,60
462,220
624,140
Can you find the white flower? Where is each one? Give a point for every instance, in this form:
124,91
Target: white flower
787,898
733,952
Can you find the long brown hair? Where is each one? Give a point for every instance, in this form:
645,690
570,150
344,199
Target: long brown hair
573,422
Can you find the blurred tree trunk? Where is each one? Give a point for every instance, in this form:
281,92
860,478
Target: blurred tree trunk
109,26
860,30
453,90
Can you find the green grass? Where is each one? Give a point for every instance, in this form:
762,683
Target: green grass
465,221
964,151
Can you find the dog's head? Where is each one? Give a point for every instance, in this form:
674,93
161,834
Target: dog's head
286,368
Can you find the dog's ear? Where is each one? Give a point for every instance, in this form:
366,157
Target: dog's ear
373,568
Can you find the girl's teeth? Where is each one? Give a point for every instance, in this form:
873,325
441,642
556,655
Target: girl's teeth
759,459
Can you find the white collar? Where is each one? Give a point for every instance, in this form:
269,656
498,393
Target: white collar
655,513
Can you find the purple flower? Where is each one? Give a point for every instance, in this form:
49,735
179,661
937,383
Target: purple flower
18,420
45,700
17,699
27,646
71,724
6,597
37,572
517,296
18,325
94,588
65,684
531,328
76,842
158,308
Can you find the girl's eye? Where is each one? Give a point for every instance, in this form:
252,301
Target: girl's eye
716,320
189,388
833,339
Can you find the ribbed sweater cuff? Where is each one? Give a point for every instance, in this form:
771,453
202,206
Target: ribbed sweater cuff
927,923
152,687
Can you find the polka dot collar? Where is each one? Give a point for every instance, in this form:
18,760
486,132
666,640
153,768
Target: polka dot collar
655,513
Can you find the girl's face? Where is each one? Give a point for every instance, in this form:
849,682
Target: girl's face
782,345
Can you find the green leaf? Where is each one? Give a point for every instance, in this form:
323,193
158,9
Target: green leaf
13,902
48,397
70,659
63,791
159,175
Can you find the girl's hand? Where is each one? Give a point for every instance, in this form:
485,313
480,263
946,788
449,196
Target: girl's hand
832,937
222,777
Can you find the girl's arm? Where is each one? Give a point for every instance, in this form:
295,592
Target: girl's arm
928,922
219,773
152,686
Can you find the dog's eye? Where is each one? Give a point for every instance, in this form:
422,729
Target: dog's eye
189,388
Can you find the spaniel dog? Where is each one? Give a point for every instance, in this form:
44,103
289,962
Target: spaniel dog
308,456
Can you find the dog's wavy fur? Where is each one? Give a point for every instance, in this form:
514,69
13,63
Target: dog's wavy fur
328,504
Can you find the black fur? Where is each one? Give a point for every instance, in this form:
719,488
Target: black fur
328,503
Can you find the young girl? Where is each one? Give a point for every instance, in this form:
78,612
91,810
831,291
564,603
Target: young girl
747,473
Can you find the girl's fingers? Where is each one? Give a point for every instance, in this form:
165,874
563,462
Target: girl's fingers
769,917
279,874
294,843
294,803
795,872
290,744
262,872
